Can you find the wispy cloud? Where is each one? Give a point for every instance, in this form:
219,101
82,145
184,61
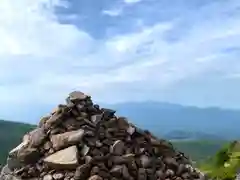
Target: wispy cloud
144,53
112,12
131,1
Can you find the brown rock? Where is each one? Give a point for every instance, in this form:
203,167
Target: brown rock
43,120
82,172
145,161
68,138
117,148
28,155
77,95
37,137
117,171
47,145
53,120
169,173
142,175
171,162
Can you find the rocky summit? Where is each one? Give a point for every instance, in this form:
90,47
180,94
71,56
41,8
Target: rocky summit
81,141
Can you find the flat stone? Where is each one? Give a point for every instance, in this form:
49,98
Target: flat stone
77,95
68,138
63,159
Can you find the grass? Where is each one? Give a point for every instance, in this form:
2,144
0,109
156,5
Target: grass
225,164
199,150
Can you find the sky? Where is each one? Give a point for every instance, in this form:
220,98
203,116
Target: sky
178,51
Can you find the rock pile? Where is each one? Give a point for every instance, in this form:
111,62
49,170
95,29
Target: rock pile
81,141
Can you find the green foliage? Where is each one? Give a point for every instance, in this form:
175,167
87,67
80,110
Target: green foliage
11,134
199,150
225,163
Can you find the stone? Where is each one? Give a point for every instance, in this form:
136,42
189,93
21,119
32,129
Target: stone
131,130
37,137
82,172
13,163
42,121
63,159
117,171
53,120
95,177
28,155
145,161
77,95
58,176
68,138
96,118
84,151
117,148
48,177
171,162
142,174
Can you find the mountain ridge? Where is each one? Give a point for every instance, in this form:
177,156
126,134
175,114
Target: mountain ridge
165,117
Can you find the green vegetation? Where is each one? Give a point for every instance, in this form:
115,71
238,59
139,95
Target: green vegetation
11,134
199,150
225,163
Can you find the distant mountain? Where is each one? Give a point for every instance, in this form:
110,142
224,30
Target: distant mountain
162,118
180,135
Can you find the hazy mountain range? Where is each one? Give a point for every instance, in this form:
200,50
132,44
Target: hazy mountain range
170,120
165,119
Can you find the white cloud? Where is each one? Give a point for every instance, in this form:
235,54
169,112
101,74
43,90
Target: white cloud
42,60
132,1
113,12
29,28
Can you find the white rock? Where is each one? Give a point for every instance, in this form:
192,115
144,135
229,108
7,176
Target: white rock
66,158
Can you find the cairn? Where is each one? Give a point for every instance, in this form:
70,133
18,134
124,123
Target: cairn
81,141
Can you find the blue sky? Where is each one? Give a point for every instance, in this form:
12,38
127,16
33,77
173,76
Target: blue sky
178,51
